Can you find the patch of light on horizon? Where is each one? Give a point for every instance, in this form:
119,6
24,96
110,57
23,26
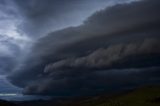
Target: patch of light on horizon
8,94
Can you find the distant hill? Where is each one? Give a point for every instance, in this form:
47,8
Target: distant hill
5,103
145,96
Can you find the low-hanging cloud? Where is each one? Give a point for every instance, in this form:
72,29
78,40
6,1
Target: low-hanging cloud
93,82
109,57
117,47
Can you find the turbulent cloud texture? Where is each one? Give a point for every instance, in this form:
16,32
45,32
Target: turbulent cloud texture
41,17
117,47
109,57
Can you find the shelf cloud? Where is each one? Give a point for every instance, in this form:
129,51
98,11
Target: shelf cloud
117,47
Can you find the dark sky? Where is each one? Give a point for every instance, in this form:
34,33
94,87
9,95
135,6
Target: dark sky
79,47
23,22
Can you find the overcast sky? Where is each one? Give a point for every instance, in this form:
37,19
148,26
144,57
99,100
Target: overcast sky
22,22
68,45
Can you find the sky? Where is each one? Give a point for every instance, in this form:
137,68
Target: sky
78,47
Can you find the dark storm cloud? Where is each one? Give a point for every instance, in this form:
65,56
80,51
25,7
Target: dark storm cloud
109,57
21,21
116,47
93,82
41,17
6,64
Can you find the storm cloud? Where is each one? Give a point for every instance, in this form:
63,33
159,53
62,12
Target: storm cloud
111,56
12,42
117,47
40,17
